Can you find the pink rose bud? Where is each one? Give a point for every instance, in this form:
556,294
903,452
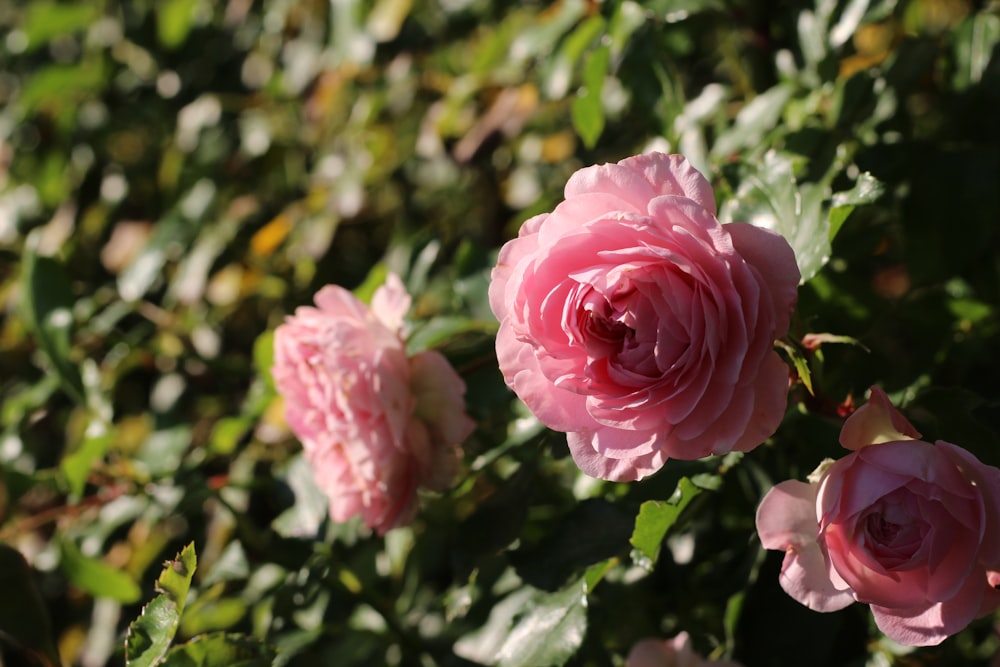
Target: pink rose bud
676,652
375,424
903,525
634,321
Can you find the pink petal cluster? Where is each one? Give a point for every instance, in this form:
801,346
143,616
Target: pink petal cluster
634,321
676,652
375,424
908,527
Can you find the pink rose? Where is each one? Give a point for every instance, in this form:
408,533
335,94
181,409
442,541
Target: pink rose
634,321
375,424
676,652
905,526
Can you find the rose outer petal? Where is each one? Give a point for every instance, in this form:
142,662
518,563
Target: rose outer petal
584,446
875,422
929,626
786,520
773,259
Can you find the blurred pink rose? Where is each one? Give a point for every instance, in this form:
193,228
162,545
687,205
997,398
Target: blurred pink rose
635,322
374,424
905,526
676,652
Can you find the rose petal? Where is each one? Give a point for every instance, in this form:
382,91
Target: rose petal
929,626
774,261
874,422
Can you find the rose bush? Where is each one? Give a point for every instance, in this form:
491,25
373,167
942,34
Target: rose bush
906,526
676,652
375,425
635,322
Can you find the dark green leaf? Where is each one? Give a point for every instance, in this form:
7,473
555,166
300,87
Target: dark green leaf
573,543
496,522
48,310
220,649
24,621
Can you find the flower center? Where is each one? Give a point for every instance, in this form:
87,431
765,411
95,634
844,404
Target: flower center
881,529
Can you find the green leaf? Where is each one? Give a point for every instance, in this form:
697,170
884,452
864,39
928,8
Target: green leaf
550,631
559,68
171,236
753,121
149,636
375,279
800,363
572,544
263,357
975,46
97,577
866,190
45,20
439,330
769,197
48,310
310,509
163,451
655,519
174,20
24,621
76,466
496,522
596,572
220,649
588,107
61,86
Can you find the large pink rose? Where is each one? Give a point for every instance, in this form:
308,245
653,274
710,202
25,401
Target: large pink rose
676,652
634,321
906,526
374,423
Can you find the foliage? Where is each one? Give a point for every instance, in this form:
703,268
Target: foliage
177,176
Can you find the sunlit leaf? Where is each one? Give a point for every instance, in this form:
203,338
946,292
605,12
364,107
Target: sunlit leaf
866,190
770,197
46,19
76,466
755,119
588,106
61,86
174,20
975,46
655,519
149,636
95,576
549,632
171,236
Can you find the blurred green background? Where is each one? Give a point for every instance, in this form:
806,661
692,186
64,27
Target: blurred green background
178,175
